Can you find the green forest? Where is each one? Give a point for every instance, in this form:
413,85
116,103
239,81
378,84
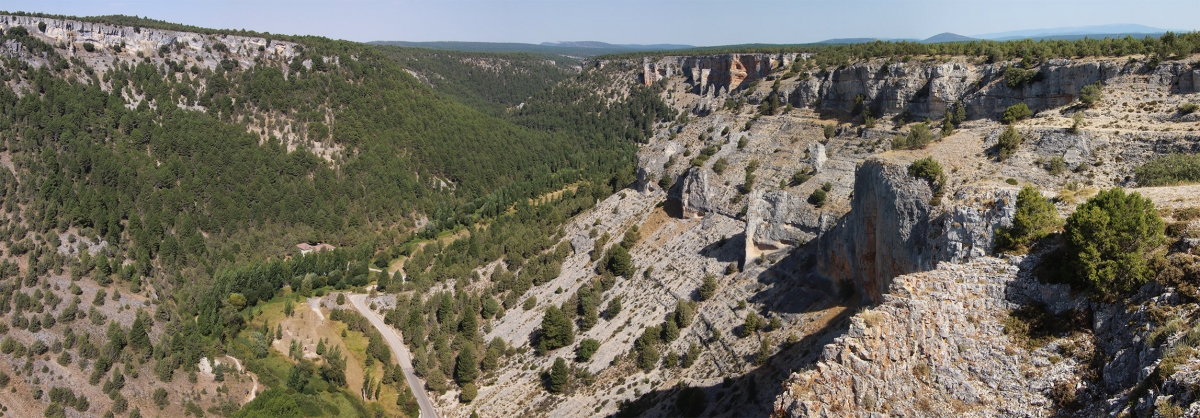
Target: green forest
489,82
201,212
1168,46
199,208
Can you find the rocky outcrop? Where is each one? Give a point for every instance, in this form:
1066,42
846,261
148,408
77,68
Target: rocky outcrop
941,344
696,194
714,74
967,228
935,347
892,229
776,220
148,41
816,156
928,90
885,234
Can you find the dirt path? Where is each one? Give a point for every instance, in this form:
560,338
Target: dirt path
393,339
253,378
314,304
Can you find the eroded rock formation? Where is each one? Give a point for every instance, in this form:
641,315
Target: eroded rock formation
776,220
893,230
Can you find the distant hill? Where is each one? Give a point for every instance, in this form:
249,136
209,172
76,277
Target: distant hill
844,41
603,45
575,49
1075,32
947,37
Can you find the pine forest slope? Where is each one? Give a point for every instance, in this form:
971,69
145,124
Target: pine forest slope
181,169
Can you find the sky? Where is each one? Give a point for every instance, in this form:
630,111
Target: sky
690,22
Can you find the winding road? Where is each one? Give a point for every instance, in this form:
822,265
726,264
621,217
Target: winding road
393,339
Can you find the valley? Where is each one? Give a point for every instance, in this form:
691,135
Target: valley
229,223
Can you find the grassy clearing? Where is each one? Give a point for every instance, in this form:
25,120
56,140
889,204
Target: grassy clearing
273,370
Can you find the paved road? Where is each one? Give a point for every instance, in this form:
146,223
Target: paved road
393,339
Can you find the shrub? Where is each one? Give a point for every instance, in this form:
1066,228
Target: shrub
1015,113
1109,240
1077,122
1091,94
800,177
1036,217
586,349
1056,166
160,398
1169,170
469,392
830,131
930,170
1008,143
817,198
87,46
1188,108
708,288
1017,77
720,165
919,136
827,186
42,27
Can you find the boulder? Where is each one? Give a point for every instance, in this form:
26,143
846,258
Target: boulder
696,194
776,220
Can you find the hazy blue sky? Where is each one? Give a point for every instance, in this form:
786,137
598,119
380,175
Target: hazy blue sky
644,22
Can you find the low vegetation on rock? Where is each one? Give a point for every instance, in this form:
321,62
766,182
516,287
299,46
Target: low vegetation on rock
1036,218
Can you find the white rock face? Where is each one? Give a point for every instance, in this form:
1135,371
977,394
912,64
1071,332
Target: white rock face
696,193
816,156
776,220
892,229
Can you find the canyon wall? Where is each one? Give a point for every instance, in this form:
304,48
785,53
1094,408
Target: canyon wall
892,229
715,74
923,89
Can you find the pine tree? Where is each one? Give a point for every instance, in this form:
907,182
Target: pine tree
382,281
708,288
466,370
670,331
692,354
138,338
559,375
557,330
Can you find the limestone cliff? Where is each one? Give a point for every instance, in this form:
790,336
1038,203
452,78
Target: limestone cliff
928,90
714,74
892,229
922,89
